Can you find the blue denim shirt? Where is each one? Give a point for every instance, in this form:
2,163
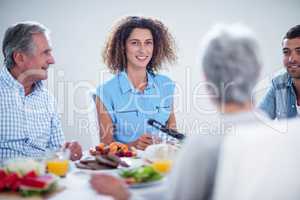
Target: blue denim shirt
280,99
130,109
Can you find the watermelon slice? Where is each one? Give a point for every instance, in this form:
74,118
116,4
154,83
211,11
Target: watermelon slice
37,185
2,174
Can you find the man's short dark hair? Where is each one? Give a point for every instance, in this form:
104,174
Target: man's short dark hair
294,32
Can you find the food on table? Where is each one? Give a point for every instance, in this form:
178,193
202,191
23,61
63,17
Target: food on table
92,165
142,174
109,161
106,161
38,185
117,148
23,166
26,177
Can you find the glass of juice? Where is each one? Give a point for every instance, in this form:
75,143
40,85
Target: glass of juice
58,163
162,166
161,156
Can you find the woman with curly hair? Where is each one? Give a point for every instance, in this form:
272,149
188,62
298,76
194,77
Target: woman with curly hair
135,51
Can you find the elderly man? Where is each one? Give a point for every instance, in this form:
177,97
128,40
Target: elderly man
29,123
282,100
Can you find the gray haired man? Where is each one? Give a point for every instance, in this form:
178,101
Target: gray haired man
29,123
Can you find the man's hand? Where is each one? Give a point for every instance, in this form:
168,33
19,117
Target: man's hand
75,150
109,185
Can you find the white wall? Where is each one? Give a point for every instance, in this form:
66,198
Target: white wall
79,29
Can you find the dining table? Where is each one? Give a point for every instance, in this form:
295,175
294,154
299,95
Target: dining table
76,184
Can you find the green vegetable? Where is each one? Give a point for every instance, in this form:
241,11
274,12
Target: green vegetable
142,174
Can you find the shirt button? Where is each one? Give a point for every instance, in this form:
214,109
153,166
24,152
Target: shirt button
293,106
27,141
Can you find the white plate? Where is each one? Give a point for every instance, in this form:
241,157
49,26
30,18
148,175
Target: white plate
132,162
147,184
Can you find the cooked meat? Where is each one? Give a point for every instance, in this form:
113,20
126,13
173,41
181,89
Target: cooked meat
91,166
105,161
115,158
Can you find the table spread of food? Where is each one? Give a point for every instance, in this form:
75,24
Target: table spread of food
32,177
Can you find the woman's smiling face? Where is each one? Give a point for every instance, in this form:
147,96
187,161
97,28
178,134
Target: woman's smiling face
139,48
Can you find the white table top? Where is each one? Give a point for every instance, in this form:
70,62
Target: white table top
77,185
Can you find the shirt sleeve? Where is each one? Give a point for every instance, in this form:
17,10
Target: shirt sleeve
268,103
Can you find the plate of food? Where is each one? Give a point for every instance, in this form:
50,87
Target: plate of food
116,148
26,177
101,162
144,176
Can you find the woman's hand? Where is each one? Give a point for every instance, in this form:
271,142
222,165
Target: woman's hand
143,141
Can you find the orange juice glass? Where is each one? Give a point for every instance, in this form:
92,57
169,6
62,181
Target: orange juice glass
58,167
162,166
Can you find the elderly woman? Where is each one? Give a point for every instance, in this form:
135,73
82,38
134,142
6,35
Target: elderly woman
231,66
247,157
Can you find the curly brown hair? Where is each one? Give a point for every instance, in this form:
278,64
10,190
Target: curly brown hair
114,54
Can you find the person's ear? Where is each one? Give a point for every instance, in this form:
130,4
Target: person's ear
19,58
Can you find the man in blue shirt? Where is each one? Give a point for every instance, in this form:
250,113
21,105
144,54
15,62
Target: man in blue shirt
29,122
282,100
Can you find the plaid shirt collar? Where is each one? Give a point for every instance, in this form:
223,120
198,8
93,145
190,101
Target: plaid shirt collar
13,83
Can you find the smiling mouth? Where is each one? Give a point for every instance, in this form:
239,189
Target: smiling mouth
293,66
142,58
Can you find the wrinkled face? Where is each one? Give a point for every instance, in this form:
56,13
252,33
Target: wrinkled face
291,56
139,48
36,64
